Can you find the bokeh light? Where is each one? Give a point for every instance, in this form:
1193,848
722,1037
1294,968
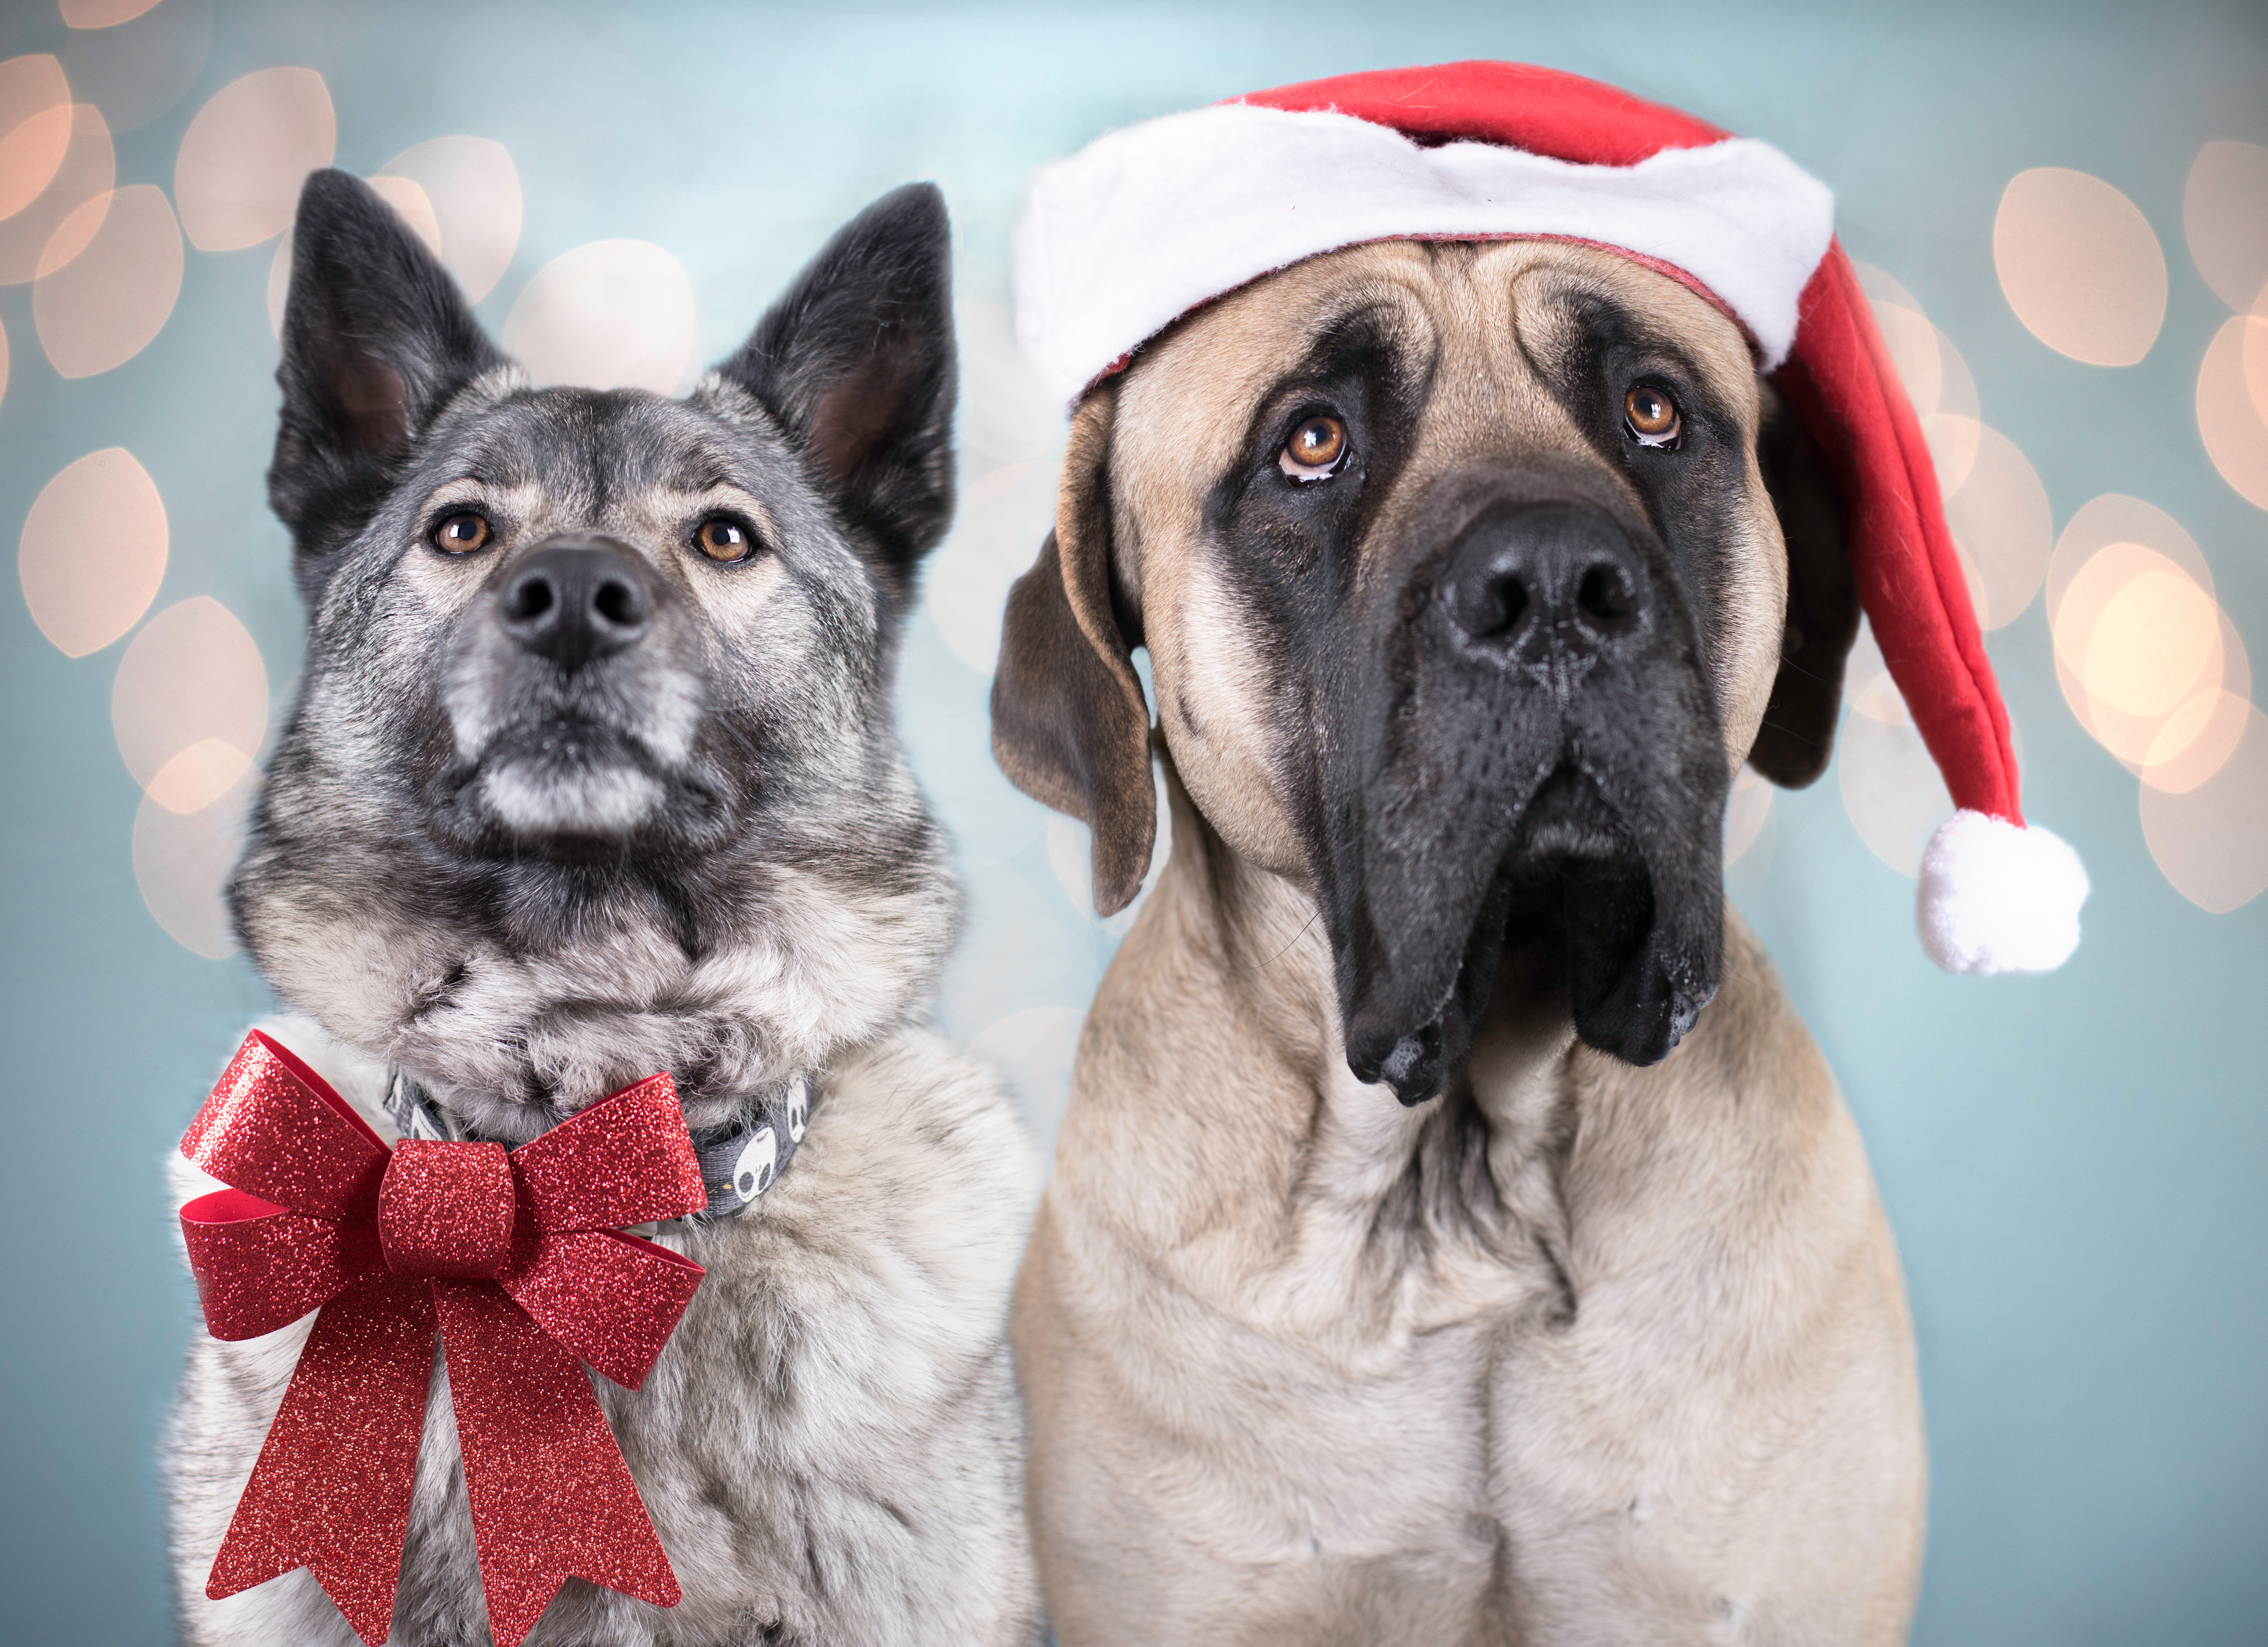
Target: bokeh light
1010,435
34,129
108,296
93,551
2232,406
279,283
1747,810
88,169
2115,518
2081,266
2256,356
1912,342
473,189
141,61
246,154
2000,518
181,864
2225,214
1892,790
102,13
2151,643
192,676
413,206
1936,379
2210,840
2151,666
2195,741
612,314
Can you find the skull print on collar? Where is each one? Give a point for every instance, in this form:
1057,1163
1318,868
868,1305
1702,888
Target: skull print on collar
739,1159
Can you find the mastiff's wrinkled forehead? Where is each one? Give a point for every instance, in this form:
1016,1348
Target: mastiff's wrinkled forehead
1468,573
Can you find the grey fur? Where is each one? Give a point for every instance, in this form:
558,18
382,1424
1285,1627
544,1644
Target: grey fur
528,882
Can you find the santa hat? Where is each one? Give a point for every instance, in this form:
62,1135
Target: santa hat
1146,224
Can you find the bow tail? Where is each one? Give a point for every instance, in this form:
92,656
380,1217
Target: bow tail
551,1497
358,1394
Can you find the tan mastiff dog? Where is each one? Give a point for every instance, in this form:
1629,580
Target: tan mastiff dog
1469,575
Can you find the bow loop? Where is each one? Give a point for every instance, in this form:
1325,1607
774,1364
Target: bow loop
274,1129
260,1267
613,1299
626,1159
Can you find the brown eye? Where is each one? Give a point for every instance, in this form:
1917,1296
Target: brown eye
721,538
462,534
1653,415
1314,449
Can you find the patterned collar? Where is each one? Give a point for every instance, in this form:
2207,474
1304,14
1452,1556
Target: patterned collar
739,1159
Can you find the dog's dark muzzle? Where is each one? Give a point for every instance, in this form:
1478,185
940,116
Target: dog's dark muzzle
1535,759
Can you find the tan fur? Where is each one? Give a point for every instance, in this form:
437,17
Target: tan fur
1577,1353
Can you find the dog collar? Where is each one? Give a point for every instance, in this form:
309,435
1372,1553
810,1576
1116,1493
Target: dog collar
739,1159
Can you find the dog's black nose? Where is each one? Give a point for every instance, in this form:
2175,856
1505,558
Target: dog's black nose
1520,578
573,602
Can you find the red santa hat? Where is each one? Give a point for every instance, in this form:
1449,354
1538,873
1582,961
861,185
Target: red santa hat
1147,222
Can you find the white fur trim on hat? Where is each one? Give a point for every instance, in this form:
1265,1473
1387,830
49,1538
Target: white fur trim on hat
1143,224
1997,899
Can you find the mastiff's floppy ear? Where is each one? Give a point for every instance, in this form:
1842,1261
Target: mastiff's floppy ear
1798,733
377,340
856,364
1070,727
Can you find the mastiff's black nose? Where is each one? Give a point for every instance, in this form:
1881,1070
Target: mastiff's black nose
1523,578
572,602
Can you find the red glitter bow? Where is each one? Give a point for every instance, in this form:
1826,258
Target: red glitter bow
513,1258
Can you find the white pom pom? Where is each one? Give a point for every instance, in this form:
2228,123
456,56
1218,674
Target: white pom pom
1997,898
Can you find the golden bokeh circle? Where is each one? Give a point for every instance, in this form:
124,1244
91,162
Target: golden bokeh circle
2225,216
2232,384
473,190
609,314
2210,840
245,153
88,171
192,676
106,298
35,125
2116,518
2000,516
1892,792
93,551
1748,809
181,864
102,13
2081,266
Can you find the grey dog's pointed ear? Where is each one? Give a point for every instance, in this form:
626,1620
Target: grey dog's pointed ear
376,339
856,363
1070,727
1798,733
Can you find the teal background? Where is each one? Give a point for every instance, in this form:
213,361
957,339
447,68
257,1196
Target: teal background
2076,1164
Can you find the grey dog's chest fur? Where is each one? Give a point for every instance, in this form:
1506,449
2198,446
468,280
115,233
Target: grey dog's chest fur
820,1444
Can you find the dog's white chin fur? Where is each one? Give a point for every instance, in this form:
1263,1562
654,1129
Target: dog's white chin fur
601,800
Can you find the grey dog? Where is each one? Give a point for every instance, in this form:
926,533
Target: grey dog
593,772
